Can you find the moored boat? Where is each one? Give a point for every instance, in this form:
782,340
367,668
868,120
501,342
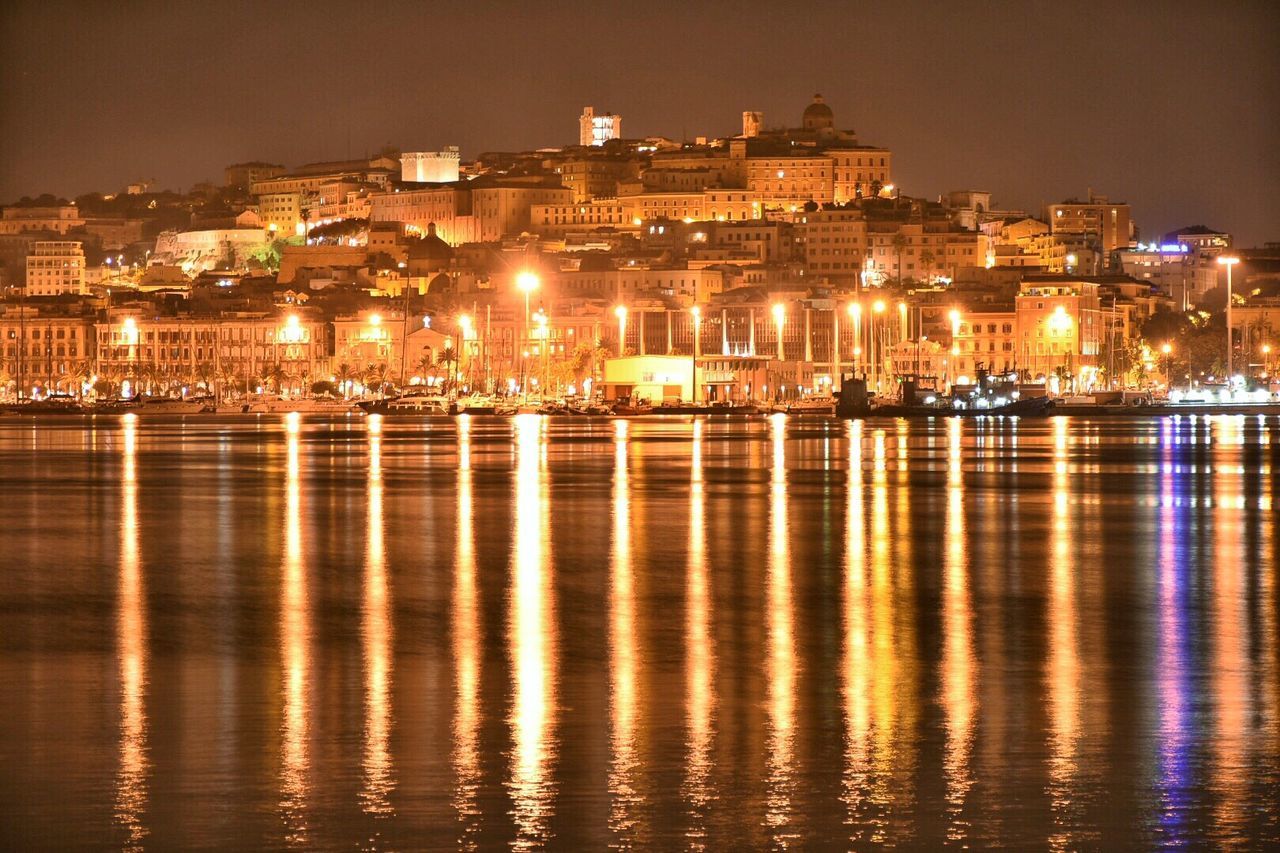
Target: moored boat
170,406
411,403
53,404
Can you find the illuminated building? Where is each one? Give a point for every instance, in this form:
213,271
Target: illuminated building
714,205
55,267
43,348
430,167
1174,268
217,248
284,198
1100,221
1059,327
843,244
857,172
281,212
556,219
596,129
376,339
984,338
595,176
284,352
20,218
482,210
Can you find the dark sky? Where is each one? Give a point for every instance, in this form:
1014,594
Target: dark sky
1172,106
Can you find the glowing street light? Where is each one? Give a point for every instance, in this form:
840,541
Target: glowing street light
1228,262
855,314
621,313
527,282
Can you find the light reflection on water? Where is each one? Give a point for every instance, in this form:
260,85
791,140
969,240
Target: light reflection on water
131,639
624,798
700,662
376,639
295,631
532,641
636,633
780,655
467,653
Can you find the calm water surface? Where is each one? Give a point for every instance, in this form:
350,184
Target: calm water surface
378,633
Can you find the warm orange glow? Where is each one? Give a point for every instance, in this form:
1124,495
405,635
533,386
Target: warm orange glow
623,652
467,653
376,636
527,281
295,650
531,641
1063,674
780,660
699,655
959,664
131,641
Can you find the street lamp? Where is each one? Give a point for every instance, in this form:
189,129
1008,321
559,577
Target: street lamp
855,314
877,355
697,346
526,283
541,319
954,316
468,329
779,319
1228,262
1167,350
1266,360
621,313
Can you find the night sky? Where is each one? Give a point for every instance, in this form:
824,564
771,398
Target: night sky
1170,106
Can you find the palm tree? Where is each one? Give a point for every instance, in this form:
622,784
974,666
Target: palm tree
926,260
424,366
374,376
449,358
899,243
275,375
229,376
77,376
346,374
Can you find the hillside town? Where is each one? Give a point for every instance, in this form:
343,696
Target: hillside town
765,266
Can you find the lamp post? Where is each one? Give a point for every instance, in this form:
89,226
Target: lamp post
468,334
1266,360
877,310
1167,350
541,319
855,314
954,316
621,313
779,320
697,346
526,283
1228,262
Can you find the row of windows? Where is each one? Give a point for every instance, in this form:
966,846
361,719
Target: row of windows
35,334
44,351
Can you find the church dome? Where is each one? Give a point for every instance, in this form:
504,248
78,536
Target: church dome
817,116
431,249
